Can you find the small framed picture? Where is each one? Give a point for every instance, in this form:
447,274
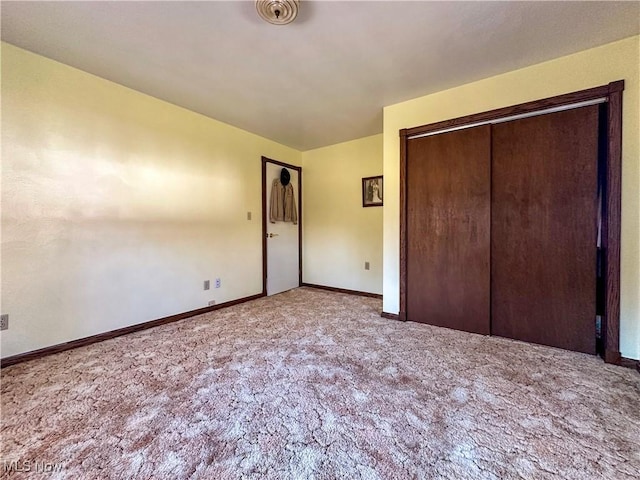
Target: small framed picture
372,191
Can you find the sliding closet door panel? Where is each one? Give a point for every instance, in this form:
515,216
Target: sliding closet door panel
543,234
448,221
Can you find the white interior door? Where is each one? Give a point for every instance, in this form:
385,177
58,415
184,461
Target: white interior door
282,240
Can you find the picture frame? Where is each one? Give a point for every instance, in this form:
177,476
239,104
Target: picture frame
372,191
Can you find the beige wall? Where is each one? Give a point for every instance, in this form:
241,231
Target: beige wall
598,66
339,234
117,206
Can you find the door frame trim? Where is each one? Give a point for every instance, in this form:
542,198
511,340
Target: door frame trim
612,92
266,160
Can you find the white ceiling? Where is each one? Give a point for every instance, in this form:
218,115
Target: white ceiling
320,80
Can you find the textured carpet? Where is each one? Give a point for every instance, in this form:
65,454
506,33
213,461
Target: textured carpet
313,384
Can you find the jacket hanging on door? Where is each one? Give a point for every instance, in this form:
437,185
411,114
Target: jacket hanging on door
282,206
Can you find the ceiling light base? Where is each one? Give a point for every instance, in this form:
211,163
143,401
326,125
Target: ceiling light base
278,12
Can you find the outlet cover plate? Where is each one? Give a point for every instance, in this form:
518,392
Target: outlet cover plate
4,322
218,283
212,303
207,285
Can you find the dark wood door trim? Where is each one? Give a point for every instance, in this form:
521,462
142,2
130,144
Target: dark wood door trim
611,223
611,215
402,314
520,109
264,219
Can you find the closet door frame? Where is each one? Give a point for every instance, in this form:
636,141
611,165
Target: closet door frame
612,95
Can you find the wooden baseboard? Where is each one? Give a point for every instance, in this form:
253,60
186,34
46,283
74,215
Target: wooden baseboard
81,342
630,363
343,290
392,316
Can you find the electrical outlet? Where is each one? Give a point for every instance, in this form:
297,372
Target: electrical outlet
248,215
207,285
366,265
212,303
218,283
4,322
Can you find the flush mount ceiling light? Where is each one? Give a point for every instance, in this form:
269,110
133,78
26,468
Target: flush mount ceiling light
278,12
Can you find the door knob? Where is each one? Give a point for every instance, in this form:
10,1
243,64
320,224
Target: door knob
271,235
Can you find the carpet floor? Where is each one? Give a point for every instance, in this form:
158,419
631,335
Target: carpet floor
316,385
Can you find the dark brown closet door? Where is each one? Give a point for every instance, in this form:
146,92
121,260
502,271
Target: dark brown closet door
543,233
448,220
